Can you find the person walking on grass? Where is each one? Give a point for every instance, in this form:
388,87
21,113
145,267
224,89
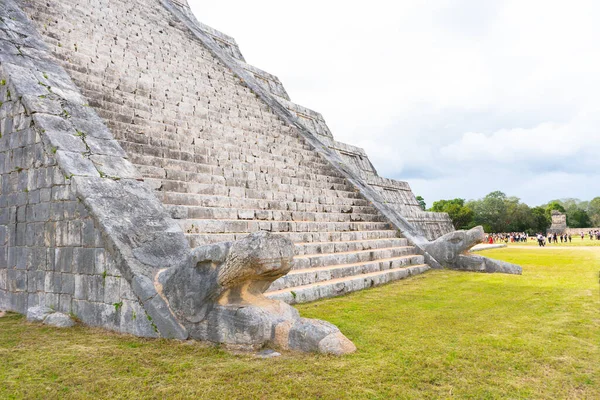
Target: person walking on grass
540,239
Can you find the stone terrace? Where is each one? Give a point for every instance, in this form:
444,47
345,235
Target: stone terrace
221,161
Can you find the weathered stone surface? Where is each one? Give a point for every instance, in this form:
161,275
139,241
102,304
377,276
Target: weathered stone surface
220,298
75,164
59,320
58,240
38,313
451,251
559,222
337,344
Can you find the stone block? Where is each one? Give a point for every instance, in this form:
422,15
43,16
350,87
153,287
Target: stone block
112,289
125,290
64,259
76,164
3,278
84,260
133,320
67,284
64,303
43,105
106,147
52,300
115,167
52,282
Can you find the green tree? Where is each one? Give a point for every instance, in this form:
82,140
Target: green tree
555,205
519,217
594,211
491,212
540,219
460,214
422,203
579,219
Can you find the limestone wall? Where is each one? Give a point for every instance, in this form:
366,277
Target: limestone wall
52,253
60,148
579,231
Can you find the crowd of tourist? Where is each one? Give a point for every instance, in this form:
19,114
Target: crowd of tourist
554,238
517,237
513,237
592,234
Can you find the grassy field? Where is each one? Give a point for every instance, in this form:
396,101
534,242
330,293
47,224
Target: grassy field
439,335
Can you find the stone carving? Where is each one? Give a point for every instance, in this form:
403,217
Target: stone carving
219,297
451,251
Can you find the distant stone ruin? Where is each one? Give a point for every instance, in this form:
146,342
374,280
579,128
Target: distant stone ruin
153,183
559,226
559,222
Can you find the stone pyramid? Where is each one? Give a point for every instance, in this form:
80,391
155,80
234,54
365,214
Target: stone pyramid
136,140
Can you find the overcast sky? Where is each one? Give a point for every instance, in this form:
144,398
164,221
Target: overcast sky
457,97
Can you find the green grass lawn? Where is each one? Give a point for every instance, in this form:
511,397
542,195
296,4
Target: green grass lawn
443,334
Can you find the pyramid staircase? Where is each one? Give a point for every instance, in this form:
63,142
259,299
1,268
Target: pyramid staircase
225,165
342,244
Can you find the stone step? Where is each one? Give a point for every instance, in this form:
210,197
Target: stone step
268,205
241,226
200,239
253,190
354,245
195,212
302,277
205,141
244,152
127,116
340,286
294,203
197,164
244,178
186,137
302,262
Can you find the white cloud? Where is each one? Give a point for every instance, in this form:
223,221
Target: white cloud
547,142
459,97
